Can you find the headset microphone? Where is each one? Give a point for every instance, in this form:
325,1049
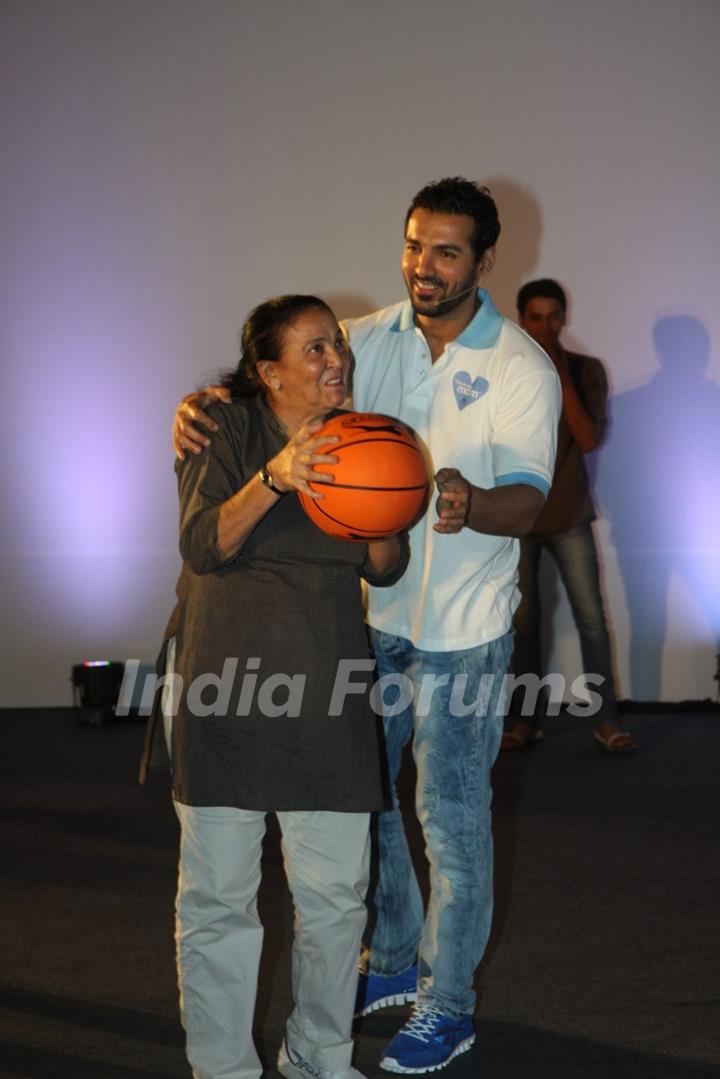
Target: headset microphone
456,296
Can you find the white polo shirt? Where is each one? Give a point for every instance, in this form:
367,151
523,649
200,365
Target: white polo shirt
489,406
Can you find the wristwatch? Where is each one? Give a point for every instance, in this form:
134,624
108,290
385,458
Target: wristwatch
267,479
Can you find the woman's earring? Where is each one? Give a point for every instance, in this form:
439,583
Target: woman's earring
278,385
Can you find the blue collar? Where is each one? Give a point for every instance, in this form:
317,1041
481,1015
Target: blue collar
481,332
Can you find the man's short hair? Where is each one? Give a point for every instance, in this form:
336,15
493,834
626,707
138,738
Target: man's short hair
544,288
456,195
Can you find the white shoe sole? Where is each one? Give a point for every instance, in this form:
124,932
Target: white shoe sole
389,1064
388,1002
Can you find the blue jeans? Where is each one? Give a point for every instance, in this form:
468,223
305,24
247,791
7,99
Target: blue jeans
454,754
576,558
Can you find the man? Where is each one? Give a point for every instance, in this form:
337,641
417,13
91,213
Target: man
563,527
485,401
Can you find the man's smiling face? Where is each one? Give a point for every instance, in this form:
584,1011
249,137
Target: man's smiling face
438,263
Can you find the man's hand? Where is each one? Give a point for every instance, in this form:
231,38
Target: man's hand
185,435
453,502
558,357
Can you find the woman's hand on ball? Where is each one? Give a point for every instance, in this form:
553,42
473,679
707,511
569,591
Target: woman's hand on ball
293,468
453,502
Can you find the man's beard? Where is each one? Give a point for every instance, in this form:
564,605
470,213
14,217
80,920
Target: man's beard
440,307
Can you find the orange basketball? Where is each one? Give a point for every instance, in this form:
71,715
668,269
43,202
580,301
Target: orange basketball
380,478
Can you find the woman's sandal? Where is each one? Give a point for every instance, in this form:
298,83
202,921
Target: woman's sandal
617,743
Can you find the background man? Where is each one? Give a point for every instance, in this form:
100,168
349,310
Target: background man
485,401
563,527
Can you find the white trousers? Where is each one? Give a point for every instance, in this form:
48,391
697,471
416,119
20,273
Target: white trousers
219,935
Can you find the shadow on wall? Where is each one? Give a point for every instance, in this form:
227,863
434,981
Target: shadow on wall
519,244
658,481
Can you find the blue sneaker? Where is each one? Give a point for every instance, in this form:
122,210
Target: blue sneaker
428,1041
383,990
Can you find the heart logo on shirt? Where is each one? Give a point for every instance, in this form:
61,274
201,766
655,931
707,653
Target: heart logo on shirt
468,390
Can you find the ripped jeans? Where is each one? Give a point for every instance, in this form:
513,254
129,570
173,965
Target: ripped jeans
454,754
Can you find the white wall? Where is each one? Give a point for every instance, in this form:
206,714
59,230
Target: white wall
168,164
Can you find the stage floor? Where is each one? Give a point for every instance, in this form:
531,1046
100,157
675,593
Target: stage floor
604,958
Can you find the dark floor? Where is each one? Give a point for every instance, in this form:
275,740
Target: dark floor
604,961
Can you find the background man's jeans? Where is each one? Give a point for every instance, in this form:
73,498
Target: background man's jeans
575,554
454,755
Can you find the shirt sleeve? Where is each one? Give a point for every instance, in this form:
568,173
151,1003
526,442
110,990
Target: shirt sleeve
525,423
205,481
594,390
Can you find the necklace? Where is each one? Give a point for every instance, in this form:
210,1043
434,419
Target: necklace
278,424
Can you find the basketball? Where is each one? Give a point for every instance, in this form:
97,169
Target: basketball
380,479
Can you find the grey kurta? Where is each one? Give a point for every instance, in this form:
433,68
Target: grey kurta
287,606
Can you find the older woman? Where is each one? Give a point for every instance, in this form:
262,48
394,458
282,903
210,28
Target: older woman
269,607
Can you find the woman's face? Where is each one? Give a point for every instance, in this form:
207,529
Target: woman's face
311,375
